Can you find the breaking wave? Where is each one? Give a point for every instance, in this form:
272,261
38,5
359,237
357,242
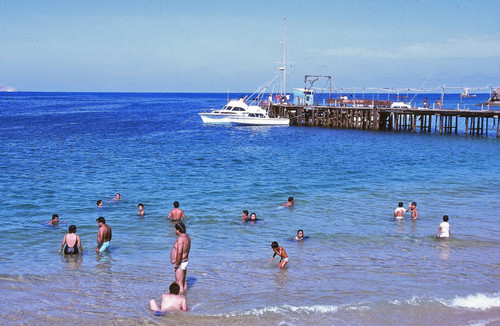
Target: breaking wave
477,301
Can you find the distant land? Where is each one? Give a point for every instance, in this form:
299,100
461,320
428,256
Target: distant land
5,88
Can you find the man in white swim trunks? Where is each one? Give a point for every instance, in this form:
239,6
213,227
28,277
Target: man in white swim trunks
103,236
398,212
179,256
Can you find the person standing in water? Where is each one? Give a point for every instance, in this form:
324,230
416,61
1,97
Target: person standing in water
444,228
72,242
398,212
176,213
280,251
413,209
179,256
103,235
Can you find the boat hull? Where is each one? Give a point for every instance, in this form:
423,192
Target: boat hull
214,118
245,121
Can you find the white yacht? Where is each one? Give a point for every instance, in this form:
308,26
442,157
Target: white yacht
234,108
258,119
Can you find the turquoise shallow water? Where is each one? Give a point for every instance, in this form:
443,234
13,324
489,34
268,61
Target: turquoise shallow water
60,152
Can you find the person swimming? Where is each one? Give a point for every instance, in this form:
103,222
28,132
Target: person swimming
300,236
244,216
55,220
289,203
141,211
253,218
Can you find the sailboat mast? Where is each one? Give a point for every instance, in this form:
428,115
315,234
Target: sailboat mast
284,60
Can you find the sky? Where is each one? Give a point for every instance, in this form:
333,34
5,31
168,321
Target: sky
235,45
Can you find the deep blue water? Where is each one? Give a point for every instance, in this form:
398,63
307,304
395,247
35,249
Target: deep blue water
60,152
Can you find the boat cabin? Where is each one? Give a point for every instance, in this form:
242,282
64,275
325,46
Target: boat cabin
256,115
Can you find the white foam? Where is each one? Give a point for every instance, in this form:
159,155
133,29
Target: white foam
477,301
323,309
316,308
416,301
481,323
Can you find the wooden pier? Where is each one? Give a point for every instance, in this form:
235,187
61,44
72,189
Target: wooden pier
444,121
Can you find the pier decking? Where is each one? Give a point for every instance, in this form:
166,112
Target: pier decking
444,121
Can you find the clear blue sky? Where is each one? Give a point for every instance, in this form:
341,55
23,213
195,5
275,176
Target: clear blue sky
220,46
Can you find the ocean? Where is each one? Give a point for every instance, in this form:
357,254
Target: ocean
61,152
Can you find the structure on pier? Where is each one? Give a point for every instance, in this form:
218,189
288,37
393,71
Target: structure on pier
302,96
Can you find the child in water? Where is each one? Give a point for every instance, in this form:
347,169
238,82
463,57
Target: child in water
414,212
444,228
141,211
398,212
280,251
